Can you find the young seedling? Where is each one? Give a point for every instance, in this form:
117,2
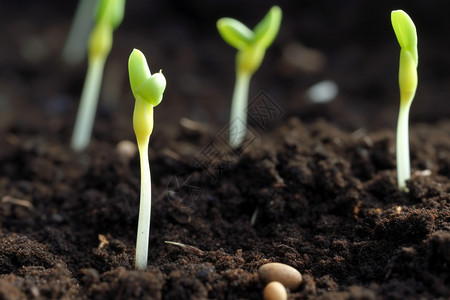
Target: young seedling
405,30
251,46
148,91
74,49
109,16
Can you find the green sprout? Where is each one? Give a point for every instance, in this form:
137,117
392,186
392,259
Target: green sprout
74,49
148,91
405,30
251,46
109,15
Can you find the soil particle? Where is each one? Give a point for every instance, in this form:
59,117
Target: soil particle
123,284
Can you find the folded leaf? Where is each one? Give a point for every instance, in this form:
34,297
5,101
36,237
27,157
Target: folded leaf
405,30
138,69
235,33
267,30
152,89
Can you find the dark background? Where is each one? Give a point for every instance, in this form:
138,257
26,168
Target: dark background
355,38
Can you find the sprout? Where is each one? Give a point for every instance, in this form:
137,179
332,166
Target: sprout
407,77
251,46
147,90
74,49
109,15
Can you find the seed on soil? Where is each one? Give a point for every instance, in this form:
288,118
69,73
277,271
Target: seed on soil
286,275
275,291
103,241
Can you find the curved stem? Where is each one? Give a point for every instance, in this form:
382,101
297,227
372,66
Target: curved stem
88,106
145,205
402,141
75,47
238,116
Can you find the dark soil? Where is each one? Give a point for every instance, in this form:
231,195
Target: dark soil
319,181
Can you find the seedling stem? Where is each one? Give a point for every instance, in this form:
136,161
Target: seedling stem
75,47
405,30
147,90
109,16
88,105
238,116
251,46
143,110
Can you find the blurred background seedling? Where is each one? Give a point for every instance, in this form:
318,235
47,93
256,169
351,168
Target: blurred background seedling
74,49
251,46
109,15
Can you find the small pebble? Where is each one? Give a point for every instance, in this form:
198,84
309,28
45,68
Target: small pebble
306,59
323,92
57,218
126,150
287,275
275,291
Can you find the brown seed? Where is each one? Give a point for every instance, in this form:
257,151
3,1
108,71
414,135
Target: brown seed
275,291
287,275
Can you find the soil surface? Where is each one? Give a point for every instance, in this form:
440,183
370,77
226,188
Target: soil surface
313,186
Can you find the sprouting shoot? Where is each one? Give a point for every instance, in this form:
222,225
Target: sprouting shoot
405,30
108,17
251,46
148,90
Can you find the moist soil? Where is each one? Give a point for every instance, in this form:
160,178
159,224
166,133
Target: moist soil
322,200
313,186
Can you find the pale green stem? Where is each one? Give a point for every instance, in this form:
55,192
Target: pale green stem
145,206
76,43
88,106
403,160
238,116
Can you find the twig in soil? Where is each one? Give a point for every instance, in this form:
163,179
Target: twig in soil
148,91
251,46
422,173
361,133
188,248
171,154
103,241
405,30
18,202
254,216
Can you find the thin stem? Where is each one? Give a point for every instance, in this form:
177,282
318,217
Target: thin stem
238,116
145,206
403,160
76,43
88,106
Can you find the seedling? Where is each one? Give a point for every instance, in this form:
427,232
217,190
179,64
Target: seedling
405,30
251,46
108,17
148,91
74,48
